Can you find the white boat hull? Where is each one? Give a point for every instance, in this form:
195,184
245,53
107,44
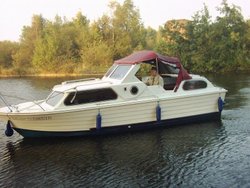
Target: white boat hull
127,116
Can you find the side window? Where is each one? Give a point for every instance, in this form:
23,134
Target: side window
89,96
194,84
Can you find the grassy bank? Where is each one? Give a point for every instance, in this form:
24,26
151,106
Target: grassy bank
31,73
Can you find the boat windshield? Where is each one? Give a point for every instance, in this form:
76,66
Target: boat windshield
111,69
54,97
120,72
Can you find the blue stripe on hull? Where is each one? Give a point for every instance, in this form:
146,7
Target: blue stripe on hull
124,128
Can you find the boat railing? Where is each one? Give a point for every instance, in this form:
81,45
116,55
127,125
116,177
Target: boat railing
36,103
10,107
5,102
79,80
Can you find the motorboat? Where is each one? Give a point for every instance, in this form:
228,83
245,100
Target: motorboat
119,101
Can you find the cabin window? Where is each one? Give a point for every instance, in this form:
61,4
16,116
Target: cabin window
89,96
194,84
54,98
120,72
169,82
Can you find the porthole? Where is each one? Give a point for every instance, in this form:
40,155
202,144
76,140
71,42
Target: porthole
134,90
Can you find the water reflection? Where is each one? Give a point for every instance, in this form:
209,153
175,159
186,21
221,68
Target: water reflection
234,84
162,157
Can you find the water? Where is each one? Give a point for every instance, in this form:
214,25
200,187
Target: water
213,154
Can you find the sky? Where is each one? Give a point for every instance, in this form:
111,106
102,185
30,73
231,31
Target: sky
14,14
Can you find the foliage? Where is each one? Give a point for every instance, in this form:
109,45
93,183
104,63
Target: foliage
206,46
79,46
7,48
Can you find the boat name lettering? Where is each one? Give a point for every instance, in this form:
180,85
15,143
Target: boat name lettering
40,118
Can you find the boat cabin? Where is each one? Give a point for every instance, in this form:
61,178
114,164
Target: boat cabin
125,81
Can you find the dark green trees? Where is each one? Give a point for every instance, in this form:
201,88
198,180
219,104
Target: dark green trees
7,49
204,45
79,46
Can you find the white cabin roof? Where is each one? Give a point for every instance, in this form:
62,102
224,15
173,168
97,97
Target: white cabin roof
81,85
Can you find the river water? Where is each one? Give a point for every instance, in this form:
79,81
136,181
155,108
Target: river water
215,154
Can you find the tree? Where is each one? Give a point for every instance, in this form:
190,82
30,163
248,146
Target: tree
173,40
199,41
59,49
127,28
30,35
76,46
229,33
149,39
206,46
7,49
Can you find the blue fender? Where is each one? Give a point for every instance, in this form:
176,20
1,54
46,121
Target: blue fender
98,121
9,131
158,112
220,104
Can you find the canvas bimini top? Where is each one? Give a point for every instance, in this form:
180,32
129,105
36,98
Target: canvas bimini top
164,64
145,56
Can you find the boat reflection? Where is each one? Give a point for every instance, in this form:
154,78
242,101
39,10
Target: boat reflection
160,157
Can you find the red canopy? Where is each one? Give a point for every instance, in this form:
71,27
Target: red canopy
144,56
147,56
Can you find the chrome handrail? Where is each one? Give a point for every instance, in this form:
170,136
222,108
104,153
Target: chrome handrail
9,106
39,105
5,102
80,80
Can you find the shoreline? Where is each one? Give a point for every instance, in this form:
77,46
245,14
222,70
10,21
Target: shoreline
55,75
52,75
